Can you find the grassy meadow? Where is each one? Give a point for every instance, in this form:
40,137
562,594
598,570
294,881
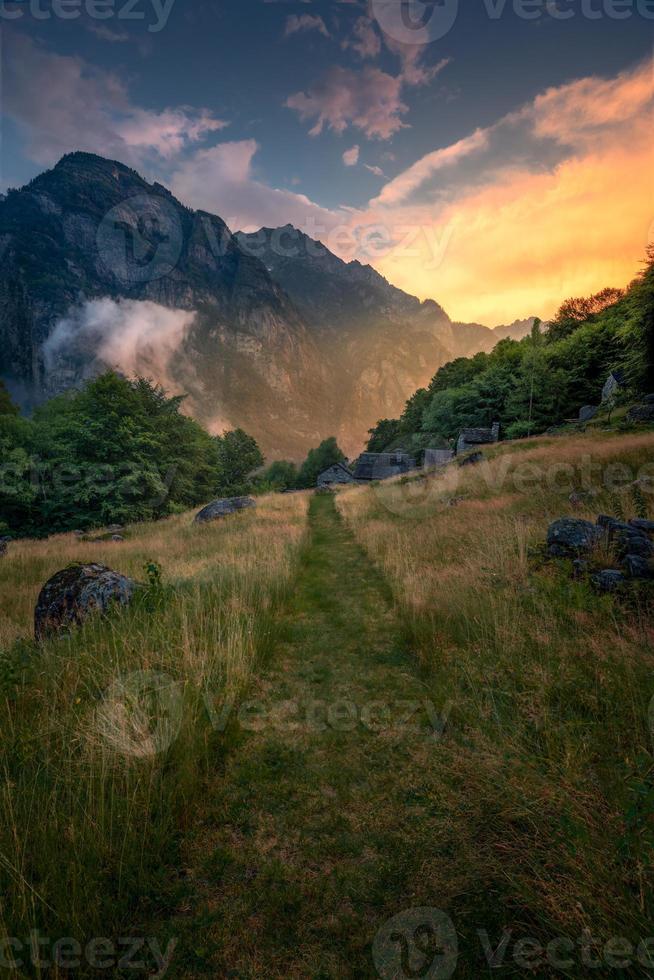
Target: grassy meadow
546,770
305,840
94,795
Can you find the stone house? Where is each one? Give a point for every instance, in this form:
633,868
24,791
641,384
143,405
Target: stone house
438,457
471,438
338,473
382,466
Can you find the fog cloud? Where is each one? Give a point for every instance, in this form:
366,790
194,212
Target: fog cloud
135,337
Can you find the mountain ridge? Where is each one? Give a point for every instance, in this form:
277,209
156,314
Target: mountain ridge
291,347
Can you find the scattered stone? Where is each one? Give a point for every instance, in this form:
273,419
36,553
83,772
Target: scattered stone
572,536
471,460
608,580
222,508
641,413
455,501
117,537
115,528
633,542
641,524
638,567
588,412
75,592
612,526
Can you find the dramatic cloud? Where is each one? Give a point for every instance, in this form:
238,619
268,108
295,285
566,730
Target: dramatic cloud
399,189
370,100
131,336
301,23
551,201
351,157
221,180
60,101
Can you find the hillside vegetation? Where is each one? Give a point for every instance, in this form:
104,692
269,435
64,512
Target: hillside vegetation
424,711
538,382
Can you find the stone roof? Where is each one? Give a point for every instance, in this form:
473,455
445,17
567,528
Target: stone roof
477,437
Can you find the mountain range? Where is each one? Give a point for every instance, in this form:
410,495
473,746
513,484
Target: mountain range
267,331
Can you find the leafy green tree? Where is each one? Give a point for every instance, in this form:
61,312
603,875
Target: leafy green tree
319,459
119,451
579,310
238,457
383,435
280,475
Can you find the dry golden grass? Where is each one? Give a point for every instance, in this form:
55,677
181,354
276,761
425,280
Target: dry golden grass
550,683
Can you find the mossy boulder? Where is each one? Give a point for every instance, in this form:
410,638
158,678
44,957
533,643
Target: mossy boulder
77,591
223,508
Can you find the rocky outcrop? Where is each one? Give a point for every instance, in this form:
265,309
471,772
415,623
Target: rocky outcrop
608,580
223,508
93,229
570,537
77,591
641,413
629,544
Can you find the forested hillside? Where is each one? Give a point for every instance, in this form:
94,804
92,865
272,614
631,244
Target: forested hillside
541,380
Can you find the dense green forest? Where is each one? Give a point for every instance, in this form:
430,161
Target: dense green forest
540,381
117,451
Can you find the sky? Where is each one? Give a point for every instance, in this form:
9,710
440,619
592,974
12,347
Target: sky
494,155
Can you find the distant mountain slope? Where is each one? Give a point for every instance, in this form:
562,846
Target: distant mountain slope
379,340
271,332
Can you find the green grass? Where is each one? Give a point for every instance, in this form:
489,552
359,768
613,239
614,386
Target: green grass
316,835
90,815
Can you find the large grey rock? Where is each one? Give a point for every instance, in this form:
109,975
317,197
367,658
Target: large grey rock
633,542
641,524
641,413
572,536
608,580
223,508
73,593
638,567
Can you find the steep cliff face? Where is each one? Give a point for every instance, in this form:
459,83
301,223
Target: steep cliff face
92,229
